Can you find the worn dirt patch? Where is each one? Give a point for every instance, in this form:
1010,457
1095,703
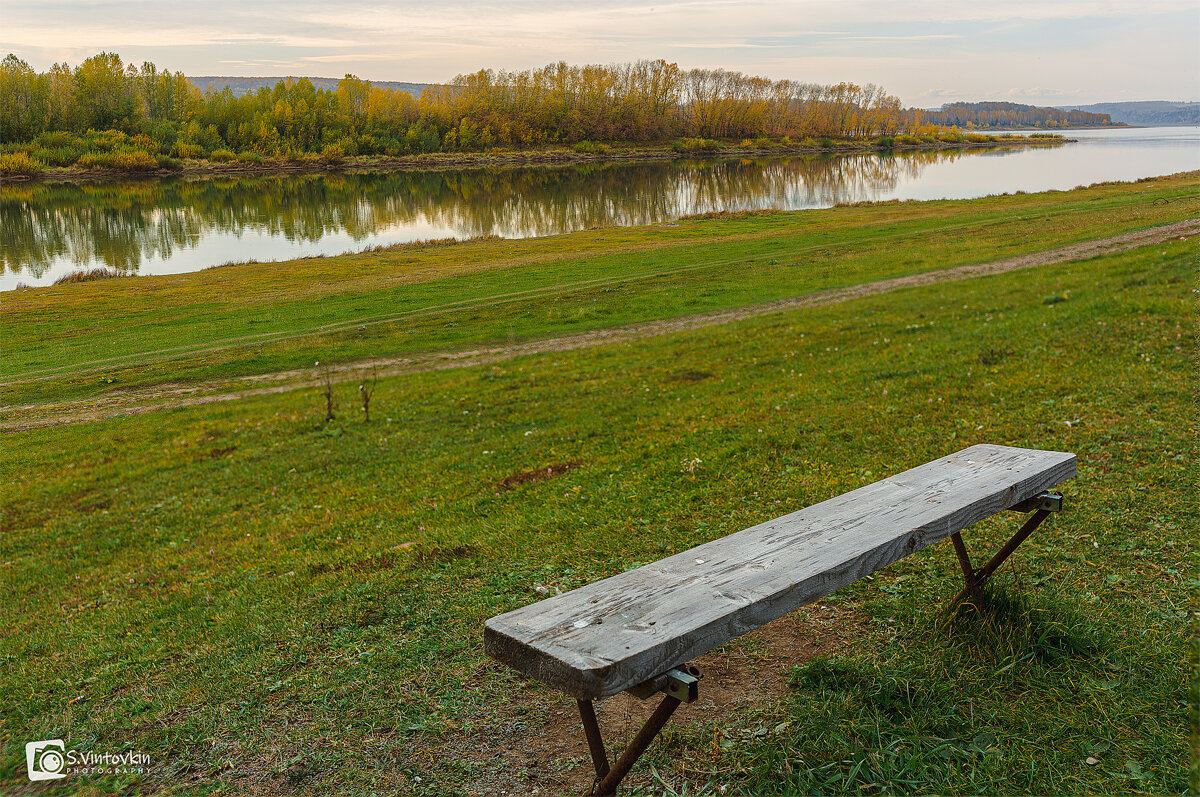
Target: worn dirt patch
510,482
536,743
137,402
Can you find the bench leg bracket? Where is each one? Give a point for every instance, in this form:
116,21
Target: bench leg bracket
609,778
975,578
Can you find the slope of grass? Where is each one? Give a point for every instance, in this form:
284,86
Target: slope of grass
264,601
259,318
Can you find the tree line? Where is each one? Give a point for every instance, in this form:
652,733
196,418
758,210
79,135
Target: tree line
104,108
1011,114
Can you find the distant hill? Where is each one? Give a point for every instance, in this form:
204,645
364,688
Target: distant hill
246,85
1149,114
1011,114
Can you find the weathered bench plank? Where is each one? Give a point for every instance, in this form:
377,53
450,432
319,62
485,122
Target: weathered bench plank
614,634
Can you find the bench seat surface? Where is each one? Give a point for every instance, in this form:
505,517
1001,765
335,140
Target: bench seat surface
614,634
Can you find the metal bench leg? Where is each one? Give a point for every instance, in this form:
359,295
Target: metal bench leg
595,741
1043,506
679,682
609,782
964,561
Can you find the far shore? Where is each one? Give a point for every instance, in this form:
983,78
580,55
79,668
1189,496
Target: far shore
511,158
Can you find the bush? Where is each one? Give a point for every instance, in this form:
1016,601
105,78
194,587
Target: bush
592,148
125,160
167,162
104,140
60,156
183,149
222,156
57,139
390,146
885,142
950,138
19,163
333,153
145,143
250,156
696,145
907,139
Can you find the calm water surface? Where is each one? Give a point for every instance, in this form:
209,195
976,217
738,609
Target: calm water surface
180,225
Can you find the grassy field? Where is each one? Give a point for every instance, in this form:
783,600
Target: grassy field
265,602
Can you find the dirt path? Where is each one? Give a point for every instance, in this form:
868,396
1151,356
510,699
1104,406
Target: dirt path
161,397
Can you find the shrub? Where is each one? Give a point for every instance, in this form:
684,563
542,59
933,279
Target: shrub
390,146
250,156
104,140
167,162
60,156
592,148
907,139
56,139
125,160
950,137
885,142
333,153
222,156
348,145
696,145
19,163
826,143
144,142
183,149
367,145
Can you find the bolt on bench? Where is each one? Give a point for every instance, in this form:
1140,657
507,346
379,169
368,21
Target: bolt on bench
635,632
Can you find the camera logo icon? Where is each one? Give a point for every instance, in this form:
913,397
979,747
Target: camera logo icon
46,760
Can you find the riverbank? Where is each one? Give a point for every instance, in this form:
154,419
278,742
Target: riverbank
414,299
549,156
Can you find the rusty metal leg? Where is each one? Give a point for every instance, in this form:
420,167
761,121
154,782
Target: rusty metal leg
964,561
608,784
983,573
595,741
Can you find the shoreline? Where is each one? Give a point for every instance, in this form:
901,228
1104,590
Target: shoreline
498,159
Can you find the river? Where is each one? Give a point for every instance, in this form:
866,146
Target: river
171,226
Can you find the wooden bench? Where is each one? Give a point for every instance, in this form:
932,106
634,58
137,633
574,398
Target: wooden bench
637,630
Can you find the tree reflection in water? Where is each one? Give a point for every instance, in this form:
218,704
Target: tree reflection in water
121,224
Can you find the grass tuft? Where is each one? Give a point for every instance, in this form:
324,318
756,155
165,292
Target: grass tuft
90,275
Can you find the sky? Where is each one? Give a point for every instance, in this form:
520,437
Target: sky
927,52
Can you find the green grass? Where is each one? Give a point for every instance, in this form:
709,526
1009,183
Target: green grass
263,601
259,318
